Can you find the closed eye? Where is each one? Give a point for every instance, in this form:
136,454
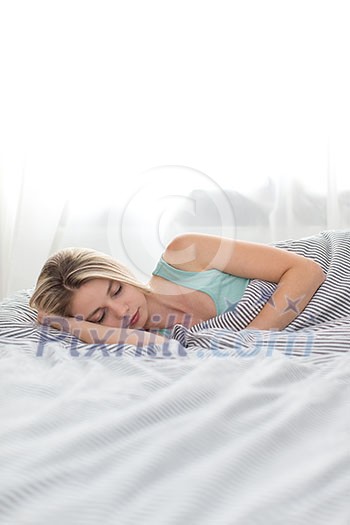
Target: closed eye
100,319
117,291
114,294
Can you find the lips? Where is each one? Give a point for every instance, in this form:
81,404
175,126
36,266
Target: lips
135,318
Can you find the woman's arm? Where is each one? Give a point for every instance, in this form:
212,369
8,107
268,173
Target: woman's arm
297,277
96,333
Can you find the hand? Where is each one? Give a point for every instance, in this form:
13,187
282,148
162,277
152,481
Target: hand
142,338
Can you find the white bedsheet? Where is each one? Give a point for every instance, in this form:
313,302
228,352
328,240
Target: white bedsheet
197,440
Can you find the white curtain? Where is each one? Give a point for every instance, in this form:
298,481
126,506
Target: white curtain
124,123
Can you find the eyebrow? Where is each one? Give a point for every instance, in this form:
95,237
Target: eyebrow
100,307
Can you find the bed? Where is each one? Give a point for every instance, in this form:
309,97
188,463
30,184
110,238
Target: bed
221,425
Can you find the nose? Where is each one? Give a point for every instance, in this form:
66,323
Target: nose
119,310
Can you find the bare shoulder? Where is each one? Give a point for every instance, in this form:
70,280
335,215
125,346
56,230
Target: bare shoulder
197,251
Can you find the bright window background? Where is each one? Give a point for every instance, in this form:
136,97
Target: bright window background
96,94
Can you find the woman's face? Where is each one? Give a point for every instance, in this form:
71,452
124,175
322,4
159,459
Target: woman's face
110,303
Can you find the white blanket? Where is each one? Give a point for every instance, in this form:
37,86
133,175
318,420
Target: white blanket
194,440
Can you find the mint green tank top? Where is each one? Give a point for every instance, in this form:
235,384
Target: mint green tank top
225,289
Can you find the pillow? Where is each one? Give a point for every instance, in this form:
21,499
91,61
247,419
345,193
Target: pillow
17,319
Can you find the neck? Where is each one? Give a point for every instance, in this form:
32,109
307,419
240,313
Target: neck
165,311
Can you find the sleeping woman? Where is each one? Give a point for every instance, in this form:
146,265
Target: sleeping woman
92,296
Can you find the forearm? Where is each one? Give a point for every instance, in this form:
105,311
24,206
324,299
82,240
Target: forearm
95,333
294,291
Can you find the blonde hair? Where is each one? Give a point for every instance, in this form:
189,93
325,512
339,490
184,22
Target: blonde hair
65,271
